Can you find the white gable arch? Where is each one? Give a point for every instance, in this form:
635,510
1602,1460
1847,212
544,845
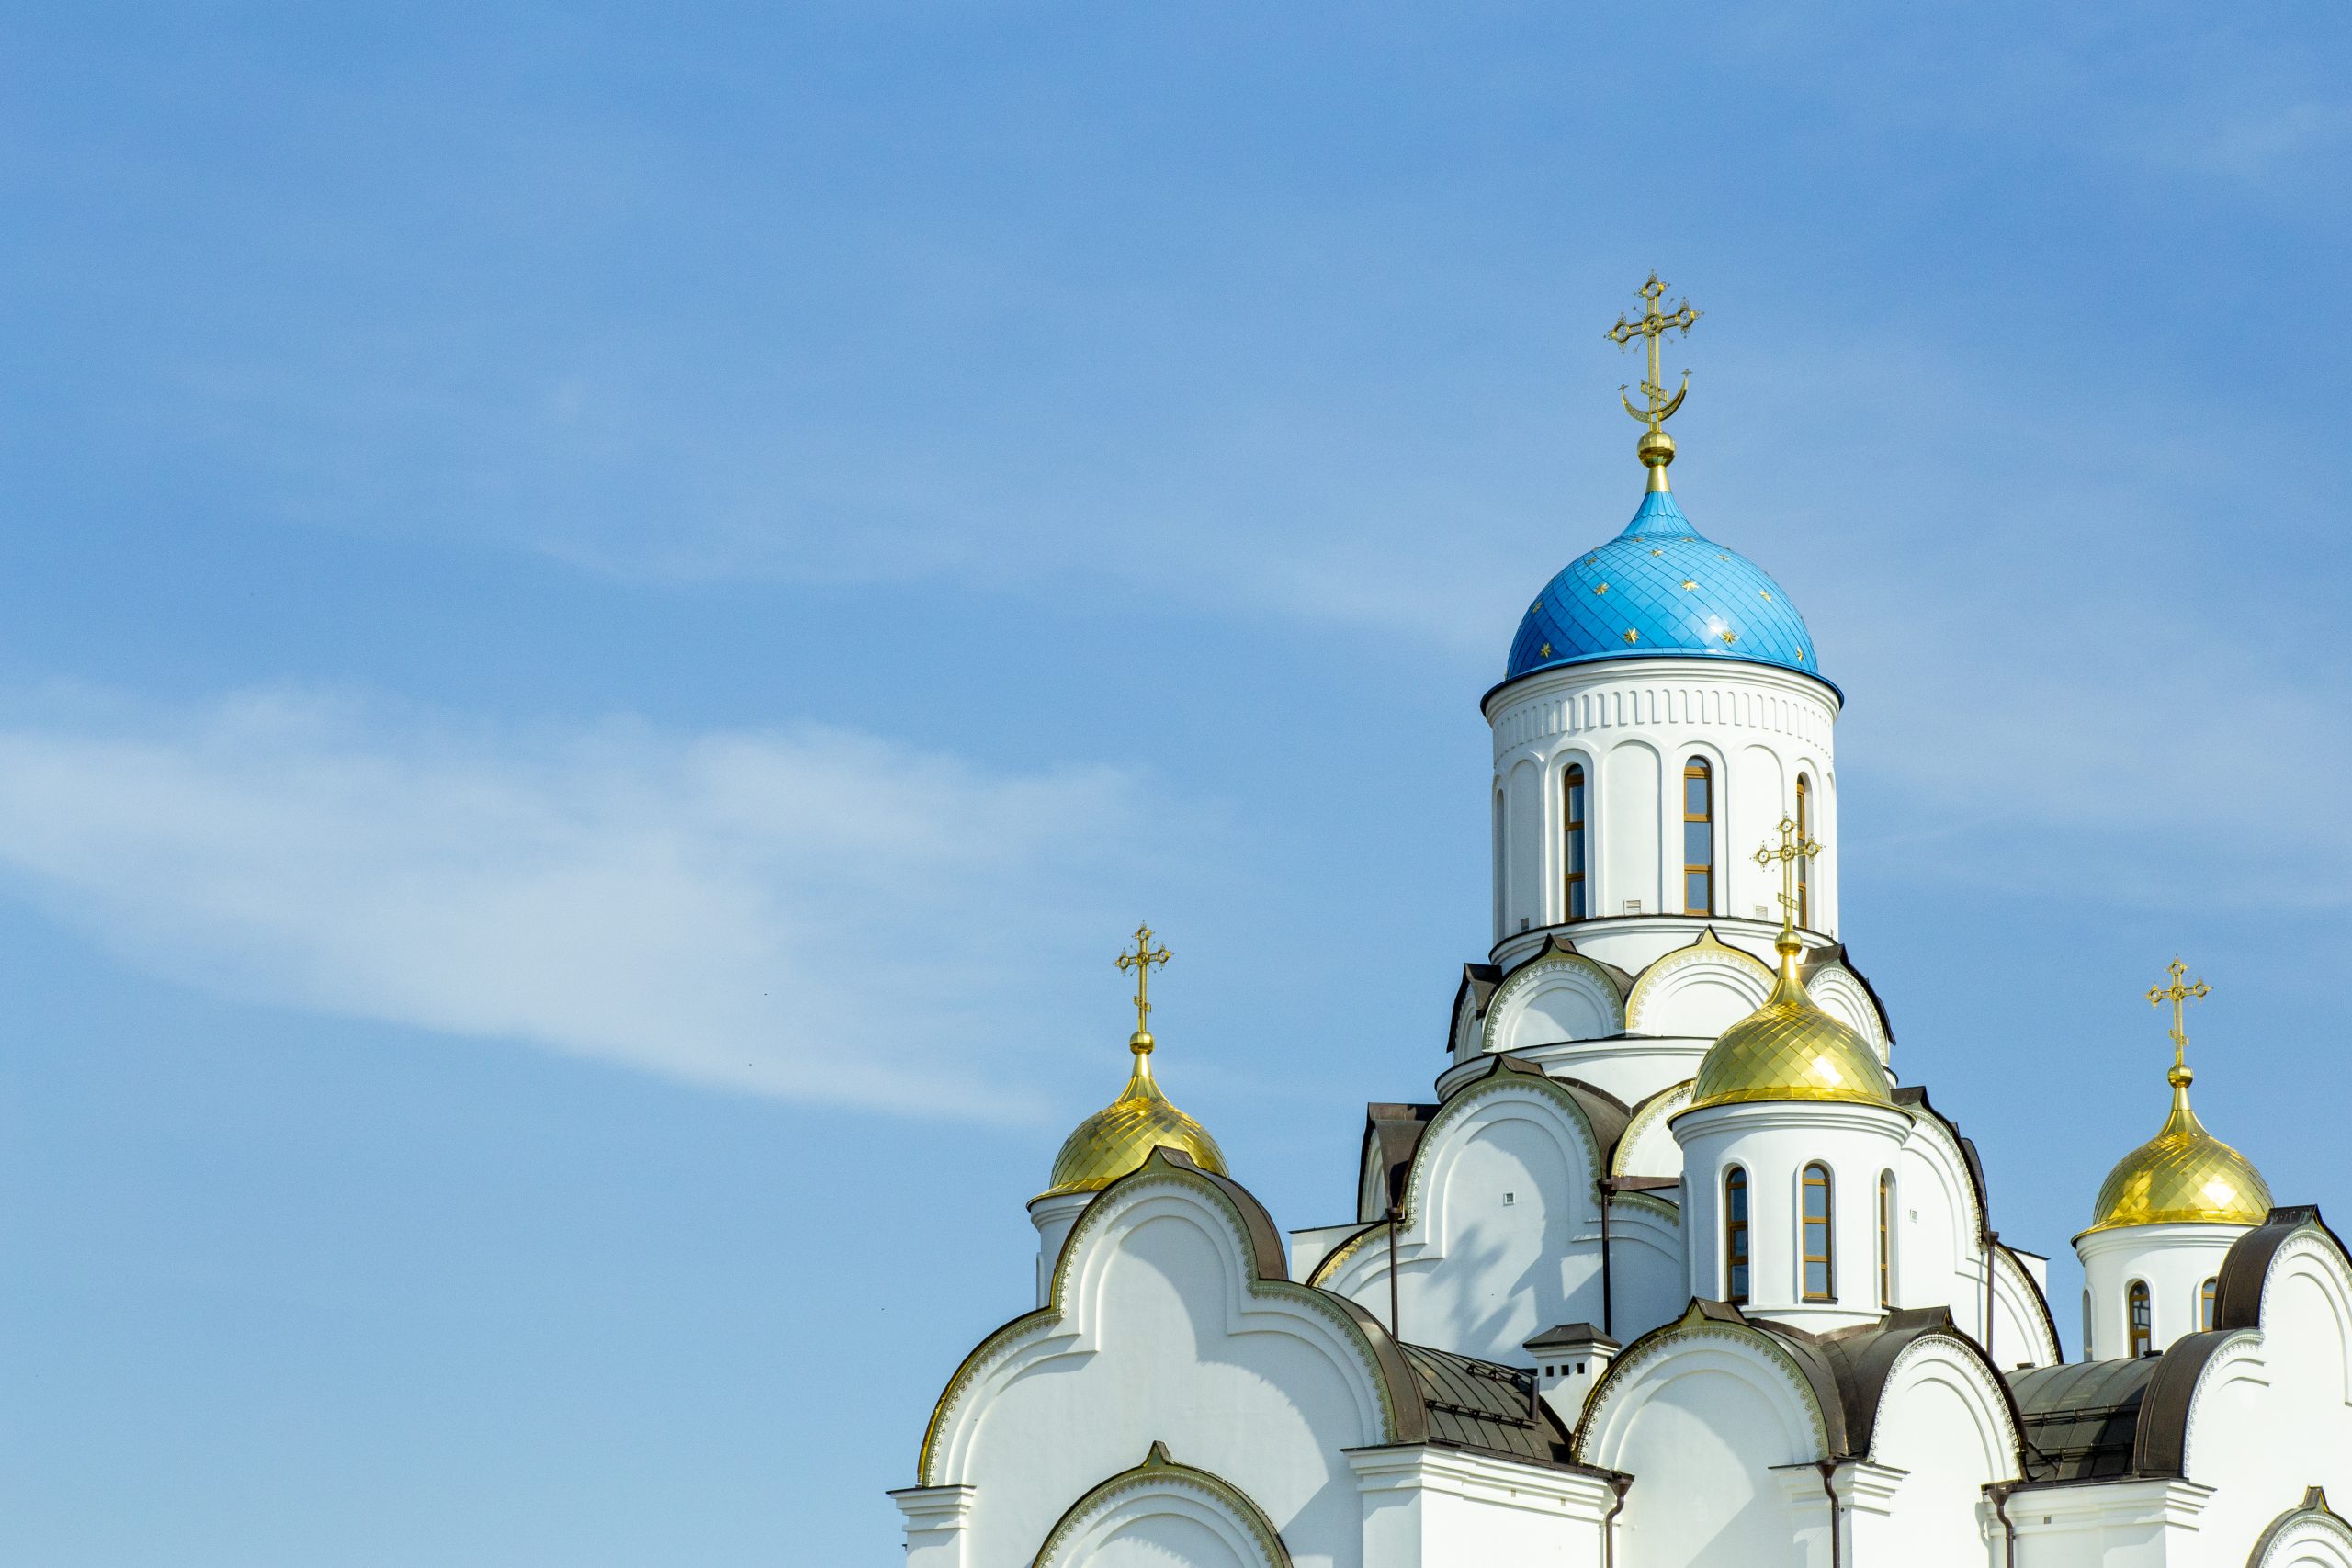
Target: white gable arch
1499,1232
1647,1146
1169,1319
1161,1512
1709,1417
2312,1536
1557,998
1696,992
1942,1422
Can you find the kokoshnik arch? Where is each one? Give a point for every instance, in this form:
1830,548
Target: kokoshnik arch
1672,1270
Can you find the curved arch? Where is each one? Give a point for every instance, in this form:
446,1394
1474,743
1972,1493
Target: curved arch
1388,1398
2310,1535
1714,1338
1560,971
2016,1289
1511,1116
1649,1119
1707,961
1161,1487
1947,1356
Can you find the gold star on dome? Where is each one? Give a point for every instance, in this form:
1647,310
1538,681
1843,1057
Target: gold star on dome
1600,588
1730,636
1688,585
1764,593
1547,651
1632,636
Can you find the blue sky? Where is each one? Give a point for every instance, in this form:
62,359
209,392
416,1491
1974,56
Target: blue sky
609,612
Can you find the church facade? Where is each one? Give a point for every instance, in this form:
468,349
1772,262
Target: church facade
1670,1271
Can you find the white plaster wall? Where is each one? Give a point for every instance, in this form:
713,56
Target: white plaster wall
1706,1437
1633,723
1427,1507
1946,1430
2175,1260
1502,1232
1159,1538
1773,1142
1939,1237
1627,865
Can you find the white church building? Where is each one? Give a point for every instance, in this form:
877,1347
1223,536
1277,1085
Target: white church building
1671,1269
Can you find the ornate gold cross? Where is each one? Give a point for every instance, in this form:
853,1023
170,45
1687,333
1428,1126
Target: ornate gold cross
2180,996
1653,325
1793,847
1140,961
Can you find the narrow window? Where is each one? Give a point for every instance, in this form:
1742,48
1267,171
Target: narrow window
1735,1234
1697,838
2205,1293
1886,1240
2087,1325
2143,1332
1804,863
1573,804
1819,1281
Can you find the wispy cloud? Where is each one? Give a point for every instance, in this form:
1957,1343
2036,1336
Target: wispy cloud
809,914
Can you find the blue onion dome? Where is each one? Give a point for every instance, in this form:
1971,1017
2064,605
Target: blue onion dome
1661,588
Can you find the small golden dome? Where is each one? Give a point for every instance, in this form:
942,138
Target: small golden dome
2182,1176
1121,1136
1790,1049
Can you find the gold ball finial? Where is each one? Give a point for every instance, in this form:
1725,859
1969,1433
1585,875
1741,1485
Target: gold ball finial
1655,448
1140,1042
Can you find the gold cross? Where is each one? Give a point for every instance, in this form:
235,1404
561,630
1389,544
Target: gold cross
1793,847
2180,996
1653,325
1140,961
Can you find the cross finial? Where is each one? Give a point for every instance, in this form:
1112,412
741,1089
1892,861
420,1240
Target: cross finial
1793,848
1655,448
2180,996
1140,961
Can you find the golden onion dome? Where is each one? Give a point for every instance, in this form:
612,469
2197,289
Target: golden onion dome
1790,1049
1121,1136
2182,1176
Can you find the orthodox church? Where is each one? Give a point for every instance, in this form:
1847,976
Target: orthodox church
1671,1269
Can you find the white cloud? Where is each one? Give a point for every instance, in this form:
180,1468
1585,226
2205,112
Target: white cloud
809,914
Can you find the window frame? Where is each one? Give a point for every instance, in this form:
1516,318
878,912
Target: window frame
1739,1233
1698,767
1806,1257
1886,1241
2208,1296
1576,846
2139,1318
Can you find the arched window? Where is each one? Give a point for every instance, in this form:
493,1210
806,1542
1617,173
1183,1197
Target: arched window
1885,1240
2144,1328
2087,1325
1804,863
1697,838
1735,1234
1571,804
2206,1295
1820,1277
